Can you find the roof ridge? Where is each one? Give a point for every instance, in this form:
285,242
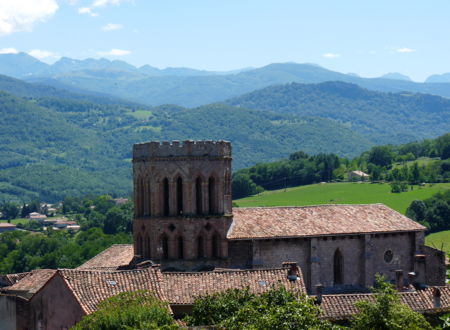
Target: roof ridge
307,206
224,271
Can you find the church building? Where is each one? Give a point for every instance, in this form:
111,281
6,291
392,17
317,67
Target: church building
184,221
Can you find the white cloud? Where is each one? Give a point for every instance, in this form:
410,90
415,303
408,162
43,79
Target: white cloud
331,55
87,11
8,51
115,52
20,15
405,50
112,27
103,3
42,54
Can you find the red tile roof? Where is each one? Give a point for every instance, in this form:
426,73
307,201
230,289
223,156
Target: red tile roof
7,225
280,222
10,279
111,258
183,288
92,287
342,306
31,283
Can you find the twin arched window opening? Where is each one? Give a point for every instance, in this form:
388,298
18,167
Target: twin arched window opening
199,199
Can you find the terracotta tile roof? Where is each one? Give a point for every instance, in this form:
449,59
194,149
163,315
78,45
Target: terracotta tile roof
92,287
29,284
342,306
183,288
7,225
272,222
111,258
10,279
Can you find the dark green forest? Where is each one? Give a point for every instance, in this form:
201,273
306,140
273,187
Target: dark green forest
381,117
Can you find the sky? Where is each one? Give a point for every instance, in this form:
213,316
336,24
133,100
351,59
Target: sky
369,38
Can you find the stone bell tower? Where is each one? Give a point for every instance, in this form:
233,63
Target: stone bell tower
182,195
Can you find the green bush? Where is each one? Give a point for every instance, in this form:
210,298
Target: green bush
129,310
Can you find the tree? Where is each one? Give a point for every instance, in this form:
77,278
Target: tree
129,310
243,186
215,308
239,309
381,156
117,220
416,210
387,312
10,210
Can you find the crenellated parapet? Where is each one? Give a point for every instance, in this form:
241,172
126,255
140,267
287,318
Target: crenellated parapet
181,149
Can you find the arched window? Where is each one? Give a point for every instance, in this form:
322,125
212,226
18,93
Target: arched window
147,247
215,246
338,267
179,196
199,195
165,193
165,247
139,245
212,195
200,247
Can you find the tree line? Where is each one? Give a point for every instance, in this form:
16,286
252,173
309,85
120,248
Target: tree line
395,164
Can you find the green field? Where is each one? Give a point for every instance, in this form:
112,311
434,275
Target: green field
17,221
440,240
342,193
420,161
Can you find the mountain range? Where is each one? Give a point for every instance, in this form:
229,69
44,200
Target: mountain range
190,87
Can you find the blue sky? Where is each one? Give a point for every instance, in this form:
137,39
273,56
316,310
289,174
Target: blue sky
369,38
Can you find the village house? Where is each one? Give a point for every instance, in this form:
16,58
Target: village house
358,176
5,227
37,217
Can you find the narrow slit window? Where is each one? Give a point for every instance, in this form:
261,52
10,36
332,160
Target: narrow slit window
180,248
199,196
165,189
212,195
179,196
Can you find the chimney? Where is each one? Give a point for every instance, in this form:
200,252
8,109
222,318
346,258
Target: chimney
293,272
436,297
411,278
399,280
319,291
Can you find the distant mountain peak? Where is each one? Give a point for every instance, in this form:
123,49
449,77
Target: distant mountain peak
395,76
439,78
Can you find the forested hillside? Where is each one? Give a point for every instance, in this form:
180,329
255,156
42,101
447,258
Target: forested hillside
52,147
380,117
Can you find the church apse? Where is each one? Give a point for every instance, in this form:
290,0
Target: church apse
182,196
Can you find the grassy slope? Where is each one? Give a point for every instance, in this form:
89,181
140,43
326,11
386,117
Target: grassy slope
440,240
341,193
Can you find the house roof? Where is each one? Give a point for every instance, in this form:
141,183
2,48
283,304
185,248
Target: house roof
10,279
359,173
7,225
91,287
183,288
28,284
111,258
320,220
342,306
